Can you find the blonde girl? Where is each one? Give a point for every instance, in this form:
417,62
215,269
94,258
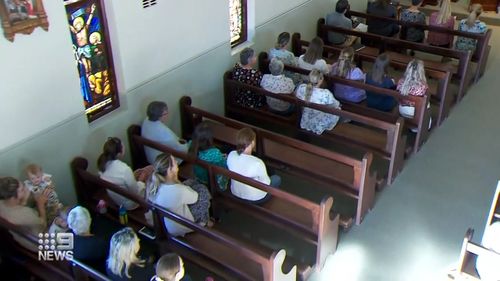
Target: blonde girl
471,24
412,83
315,120
346,68
442,18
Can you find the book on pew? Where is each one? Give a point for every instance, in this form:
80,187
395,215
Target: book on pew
357,46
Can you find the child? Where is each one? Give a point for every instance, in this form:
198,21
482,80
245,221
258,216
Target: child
412,83
60,223
346,68
37,182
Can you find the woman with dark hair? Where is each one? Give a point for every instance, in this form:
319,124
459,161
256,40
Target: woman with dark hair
379,77
113,170
202,146
382,8
281,52
414,15
313,58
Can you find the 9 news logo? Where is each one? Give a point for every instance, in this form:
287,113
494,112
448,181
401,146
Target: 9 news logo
55,246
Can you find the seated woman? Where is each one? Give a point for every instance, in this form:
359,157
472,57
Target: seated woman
379,76
123,264
487,266
443,19
14,195
471,24
346,68
413,15
382,8
170,267
412,83
281,52
203,147
245,73
313,58
165,189
277,83
312,119
88,248
113,170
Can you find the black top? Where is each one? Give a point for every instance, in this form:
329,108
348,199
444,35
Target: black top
91,250
381,27
136,273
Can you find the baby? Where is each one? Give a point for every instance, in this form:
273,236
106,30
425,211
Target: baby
37,182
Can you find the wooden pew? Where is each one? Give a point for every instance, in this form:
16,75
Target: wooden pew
460,72
420,120
45,270
367,134
480,55
307,220
468,256
333,171
439,95
210,248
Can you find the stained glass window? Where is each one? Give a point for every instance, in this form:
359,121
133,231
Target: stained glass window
238,21
93,59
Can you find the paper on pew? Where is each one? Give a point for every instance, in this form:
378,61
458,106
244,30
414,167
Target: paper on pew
361,27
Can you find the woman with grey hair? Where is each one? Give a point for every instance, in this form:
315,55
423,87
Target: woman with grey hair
87,247
245,73
277,83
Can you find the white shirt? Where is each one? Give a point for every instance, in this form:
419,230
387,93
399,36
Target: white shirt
488,267
175,198
120,174
159,132
26,217
248,166
320,65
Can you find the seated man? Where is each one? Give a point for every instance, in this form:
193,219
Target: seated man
338,19
13,208
154,128
242,162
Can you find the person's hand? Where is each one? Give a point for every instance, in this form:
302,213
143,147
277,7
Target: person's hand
41,198
182,141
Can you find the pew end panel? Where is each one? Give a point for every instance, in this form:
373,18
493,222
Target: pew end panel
328,233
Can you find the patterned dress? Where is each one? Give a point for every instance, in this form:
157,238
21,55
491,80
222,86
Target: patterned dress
252,77
278,84
214,156
200,209
315,120
414,34
469,43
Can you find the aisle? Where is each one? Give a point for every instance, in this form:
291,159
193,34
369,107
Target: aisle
416,228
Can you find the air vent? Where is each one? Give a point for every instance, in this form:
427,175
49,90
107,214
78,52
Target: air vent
148,3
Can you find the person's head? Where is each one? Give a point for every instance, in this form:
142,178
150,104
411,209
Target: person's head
111,150
245,140
283,40
345,62
315,80
342,6
123,249
13,190
95,38
203,138
276,67
380,68
247,57
78,23
164,168
444,12
157,110
79,220
414,76
314,51
169,267
475,12
416,3
34,173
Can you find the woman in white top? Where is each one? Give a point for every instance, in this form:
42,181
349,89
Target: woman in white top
113,170
313,58
312,119
165,189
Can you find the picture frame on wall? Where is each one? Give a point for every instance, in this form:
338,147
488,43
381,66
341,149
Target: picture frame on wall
93,57
22,16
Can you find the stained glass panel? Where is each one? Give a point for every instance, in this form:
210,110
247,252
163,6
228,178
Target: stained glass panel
237,21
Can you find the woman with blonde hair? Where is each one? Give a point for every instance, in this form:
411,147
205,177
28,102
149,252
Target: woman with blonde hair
470,24
123,262
313,58
442,18
312,119
346,68
165,189
412,83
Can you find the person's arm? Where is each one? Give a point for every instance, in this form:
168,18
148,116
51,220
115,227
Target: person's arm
170,139
41,200
130,182
261,172
189,196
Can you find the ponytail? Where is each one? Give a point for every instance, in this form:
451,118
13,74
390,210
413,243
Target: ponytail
110,151
161,165
315,78
476,10
309,90
345,63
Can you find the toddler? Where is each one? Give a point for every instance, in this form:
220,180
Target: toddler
37,182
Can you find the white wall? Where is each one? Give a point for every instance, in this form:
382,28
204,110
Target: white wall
154,61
